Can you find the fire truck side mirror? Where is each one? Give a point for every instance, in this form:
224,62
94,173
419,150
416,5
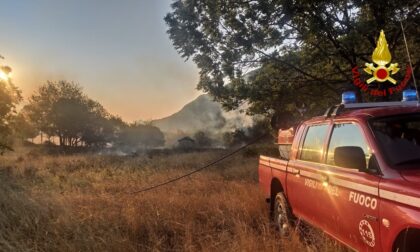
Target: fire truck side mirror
350,157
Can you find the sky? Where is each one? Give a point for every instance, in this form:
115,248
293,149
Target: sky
118,51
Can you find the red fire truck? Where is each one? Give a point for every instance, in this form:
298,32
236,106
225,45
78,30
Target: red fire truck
353,172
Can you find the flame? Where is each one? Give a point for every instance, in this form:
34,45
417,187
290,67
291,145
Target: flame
381,55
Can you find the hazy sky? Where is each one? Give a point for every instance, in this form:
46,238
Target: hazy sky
118,51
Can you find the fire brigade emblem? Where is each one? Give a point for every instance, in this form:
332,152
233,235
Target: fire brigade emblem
366,232
381,71
381,57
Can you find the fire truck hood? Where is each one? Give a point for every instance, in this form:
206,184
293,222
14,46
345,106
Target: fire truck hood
412,175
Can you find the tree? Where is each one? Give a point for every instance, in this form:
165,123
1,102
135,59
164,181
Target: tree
141,136
10,96
259,130
50,101
103,130
202,139
61,109
235,138
23,128
302,52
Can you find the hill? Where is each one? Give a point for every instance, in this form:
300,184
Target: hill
202,114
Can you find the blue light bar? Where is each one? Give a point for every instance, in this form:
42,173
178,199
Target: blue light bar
348,97
409,95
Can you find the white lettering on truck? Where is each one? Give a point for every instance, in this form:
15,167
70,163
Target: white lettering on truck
330,189
363,200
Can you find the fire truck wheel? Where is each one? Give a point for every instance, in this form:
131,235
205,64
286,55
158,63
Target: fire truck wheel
282,215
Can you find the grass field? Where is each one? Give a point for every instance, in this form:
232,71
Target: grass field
83,203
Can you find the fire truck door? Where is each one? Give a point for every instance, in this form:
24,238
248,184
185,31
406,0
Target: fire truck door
355,210
304,182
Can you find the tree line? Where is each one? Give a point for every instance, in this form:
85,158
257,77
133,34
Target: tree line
61,110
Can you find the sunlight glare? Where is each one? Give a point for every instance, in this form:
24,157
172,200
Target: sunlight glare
4,76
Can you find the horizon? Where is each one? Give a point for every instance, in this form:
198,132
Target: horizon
120,54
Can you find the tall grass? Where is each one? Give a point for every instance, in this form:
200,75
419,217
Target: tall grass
83,203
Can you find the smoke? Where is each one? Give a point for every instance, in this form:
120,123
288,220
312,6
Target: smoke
203,114
236,119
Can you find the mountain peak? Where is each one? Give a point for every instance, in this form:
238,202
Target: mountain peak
202,114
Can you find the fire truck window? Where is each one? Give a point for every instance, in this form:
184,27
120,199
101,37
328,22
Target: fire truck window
346,135
399,139
313,145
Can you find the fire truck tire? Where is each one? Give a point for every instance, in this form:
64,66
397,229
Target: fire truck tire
282,215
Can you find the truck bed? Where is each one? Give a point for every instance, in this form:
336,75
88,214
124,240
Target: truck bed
268,168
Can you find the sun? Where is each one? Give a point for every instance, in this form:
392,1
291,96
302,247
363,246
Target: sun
3,76
5,73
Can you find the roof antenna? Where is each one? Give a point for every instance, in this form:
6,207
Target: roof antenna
409,61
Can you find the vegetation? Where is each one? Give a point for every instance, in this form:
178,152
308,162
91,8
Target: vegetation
10,96
301,53
140,136
83,203
23,127
61,109
202,139
259,129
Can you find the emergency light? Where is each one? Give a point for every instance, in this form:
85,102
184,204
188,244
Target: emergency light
348,97
409,95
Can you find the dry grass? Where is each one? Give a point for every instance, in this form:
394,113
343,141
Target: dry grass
80,203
